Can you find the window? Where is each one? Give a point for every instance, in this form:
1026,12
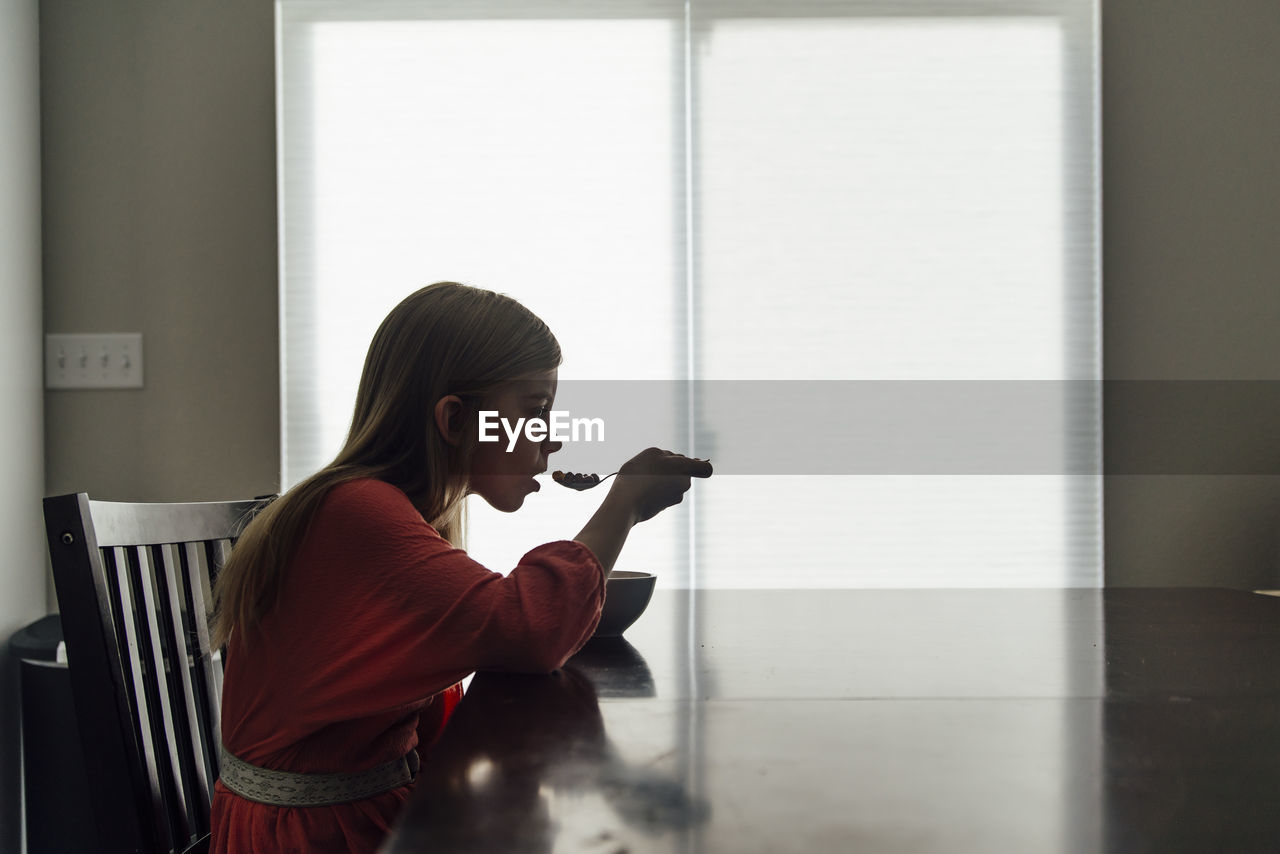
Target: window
858,200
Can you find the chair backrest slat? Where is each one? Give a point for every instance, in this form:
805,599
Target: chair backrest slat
134,587
206,685
217,554
180,630
131,629
151,654
170,653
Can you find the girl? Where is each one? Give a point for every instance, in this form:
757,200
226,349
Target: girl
348,615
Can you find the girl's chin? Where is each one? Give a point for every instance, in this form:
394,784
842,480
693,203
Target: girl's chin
508,503
506,494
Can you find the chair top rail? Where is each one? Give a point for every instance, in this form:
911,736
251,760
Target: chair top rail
118,523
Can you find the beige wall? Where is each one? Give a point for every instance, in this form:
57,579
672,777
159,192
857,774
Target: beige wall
1191,284
160,218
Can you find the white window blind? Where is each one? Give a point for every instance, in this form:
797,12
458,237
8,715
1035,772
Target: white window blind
724,193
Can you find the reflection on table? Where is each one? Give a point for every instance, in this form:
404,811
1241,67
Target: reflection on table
878,721
523,748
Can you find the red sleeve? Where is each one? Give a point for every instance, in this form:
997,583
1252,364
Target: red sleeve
391,612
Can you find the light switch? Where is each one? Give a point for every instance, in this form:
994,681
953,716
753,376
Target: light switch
112,360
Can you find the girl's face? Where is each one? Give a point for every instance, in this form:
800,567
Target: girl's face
505,477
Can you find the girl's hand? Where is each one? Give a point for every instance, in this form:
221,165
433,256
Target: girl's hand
654,480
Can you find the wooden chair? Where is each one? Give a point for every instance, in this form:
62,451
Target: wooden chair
133,583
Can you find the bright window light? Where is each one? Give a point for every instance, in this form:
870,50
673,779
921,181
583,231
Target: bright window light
844,191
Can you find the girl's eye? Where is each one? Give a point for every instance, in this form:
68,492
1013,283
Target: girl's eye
541,412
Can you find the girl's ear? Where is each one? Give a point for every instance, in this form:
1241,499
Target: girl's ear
449,414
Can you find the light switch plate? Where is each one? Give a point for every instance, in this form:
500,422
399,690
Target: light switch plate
111,360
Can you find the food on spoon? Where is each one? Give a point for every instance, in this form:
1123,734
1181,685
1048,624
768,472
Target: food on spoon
574,480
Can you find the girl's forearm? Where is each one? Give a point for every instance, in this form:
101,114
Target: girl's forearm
607,530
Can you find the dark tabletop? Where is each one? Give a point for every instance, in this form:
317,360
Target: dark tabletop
1124,720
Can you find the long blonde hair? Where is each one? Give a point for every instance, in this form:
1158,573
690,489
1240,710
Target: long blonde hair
444,339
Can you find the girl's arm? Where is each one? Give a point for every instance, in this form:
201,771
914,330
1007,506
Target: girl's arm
647,484
607,530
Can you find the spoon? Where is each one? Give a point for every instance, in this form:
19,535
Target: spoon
579,481
584,481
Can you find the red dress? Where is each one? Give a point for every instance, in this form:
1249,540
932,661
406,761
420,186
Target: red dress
378,619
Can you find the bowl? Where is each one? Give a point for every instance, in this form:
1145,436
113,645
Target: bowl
626,595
